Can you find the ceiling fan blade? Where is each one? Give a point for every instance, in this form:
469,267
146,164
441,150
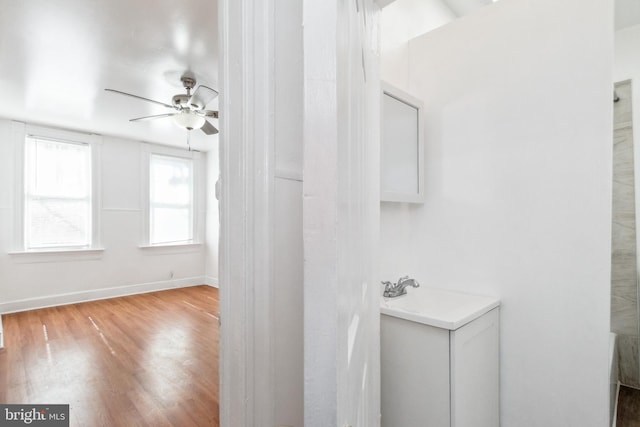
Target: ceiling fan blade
157,116
209,129
201,97
207,113
140,97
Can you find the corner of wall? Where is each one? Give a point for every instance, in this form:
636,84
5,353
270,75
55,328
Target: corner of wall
211,281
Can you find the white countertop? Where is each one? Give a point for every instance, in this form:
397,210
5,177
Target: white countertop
438,307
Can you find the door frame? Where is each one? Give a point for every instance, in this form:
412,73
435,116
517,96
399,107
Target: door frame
246,48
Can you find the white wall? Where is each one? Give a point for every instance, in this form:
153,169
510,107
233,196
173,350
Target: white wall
518,135
340,214
404,20
28,281
400,22
626,57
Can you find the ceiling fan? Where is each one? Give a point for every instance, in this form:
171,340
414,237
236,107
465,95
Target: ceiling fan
188,109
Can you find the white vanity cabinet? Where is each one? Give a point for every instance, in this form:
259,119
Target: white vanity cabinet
440,360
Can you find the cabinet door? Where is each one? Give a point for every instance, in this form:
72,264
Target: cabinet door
475,377
414,362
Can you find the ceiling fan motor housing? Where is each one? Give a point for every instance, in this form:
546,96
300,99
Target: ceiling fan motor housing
181,101
188,82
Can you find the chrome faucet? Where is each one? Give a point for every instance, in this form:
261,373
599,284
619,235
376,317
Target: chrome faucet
392,290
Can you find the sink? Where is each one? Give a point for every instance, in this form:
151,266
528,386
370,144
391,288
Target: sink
438,307
439,359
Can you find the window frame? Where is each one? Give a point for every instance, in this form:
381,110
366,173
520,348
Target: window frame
20,132
197,192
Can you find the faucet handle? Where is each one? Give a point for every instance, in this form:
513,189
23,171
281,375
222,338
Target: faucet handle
388,287
402,279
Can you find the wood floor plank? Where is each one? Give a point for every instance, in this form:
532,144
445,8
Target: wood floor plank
142,360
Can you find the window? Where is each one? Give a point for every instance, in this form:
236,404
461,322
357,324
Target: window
57,194
56,203
171,200
173,192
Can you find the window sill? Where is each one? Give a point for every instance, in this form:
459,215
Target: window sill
172,248
57,255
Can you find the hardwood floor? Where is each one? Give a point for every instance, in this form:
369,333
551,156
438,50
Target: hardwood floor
143,360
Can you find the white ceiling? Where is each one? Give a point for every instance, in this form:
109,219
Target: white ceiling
57,57
403,20
465,7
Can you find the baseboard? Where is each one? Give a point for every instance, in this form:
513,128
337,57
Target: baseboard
211,281
96,294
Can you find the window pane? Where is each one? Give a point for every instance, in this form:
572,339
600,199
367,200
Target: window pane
57,222
171,200
57,211
170,225
58,169
170,180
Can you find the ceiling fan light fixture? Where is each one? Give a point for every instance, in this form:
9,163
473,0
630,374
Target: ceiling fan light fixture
188,110
189,120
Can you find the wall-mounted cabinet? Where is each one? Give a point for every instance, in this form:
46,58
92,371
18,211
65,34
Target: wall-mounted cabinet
402,147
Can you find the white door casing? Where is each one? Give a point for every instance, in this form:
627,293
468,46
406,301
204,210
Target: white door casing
246,212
